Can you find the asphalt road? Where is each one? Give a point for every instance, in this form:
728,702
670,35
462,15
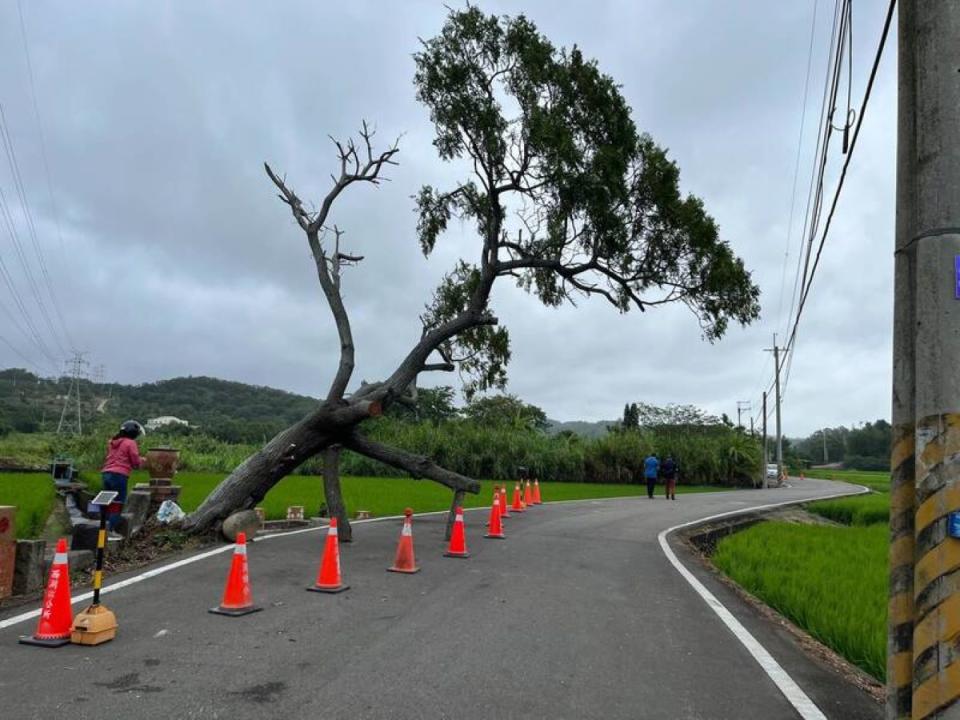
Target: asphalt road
577,614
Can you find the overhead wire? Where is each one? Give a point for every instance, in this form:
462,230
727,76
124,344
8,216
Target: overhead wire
815,207
10,150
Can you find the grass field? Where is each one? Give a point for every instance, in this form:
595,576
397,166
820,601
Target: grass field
831,581
380,496
876,481
33,495
861,510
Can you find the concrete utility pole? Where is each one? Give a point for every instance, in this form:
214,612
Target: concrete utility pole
923,665
776,374
765,454
823,434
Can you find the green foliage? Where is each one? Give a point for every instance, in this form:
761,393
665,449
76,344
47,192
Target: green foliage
674,415
831,581
505,410
33,495
599,205
434,405
862,510
863,448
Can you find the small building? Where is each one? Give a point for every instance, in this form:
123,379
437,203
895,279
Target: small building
163,421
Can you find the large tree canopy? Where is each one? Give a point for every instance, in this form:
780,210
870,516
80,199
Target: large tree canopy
567,197
568,201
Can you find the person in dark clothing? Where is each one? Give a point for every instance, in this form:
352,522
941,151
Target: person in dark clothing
651,468
670,469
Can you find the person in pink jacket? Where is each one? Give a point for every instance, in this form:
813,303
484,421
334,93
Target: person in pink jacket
123,456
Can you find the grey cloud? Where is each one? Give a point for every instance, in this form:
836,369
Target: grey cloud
180,260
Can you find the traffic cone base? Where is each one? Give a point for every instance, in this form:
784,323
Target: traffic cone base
329,590
56,615
403,570
456,555
55,642
501,536
94,626
235,613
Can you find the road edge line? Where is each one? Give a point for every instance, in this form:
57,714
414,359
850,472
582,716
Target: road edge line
787,685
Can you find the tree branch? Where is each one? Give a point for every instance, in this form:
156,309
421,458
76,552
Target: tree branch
419,466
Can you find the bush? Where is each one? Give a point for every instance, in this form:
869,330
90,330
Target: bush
859,462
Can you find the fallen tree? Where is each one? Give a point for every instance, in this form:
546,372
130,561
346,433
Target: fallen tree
568,201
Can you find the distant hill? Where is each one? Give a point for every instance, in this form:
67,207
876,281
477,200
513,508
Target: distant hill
230,410
580,427
29,403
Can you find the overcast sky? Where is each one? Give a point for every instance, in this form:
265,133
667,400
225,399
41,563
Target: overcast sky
170,255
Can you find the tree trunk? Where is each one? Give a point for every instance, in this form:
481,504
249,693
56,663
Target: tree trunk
332,494
246,486
452,515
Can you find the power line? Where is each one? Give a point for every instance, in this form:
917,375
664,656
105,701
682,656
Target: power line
846,164
815,197
796,166
36,114
32,232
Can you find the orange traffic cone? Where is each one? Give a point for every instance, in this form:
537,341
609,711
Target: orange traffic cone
504,505
56,617
517,501
237,599
458,538
328,578
527,494
405,562
536,493
496,527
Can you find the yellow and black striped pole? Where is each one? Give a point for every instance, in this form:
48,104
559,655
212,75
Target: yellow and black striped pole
900,606
101,544
923,677
936,633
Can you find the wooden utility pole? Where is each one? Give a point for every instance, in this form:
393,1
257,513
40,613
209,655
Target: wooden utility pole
923,664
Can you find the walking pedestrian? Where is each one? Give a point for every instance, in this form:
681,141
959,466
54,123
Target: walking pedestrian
670,469
651,468
123,456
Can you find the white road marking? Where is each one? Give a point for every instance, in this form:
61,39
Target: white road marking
797,697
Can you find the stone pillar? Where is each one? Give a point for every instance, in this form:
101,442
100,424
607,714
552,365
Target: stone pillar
28,569
8,548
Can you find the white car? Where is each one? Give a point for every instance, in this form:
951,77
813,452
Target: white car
772,470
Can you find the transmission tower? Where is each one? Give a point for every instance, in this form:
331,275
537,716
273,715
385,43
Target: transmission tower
76,367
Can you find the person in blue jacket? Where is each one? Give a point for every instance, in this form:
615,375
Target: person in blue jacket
651,468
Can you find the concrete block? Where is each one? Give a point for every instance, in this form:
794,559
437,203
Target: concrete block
28,570
135,512
246,521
